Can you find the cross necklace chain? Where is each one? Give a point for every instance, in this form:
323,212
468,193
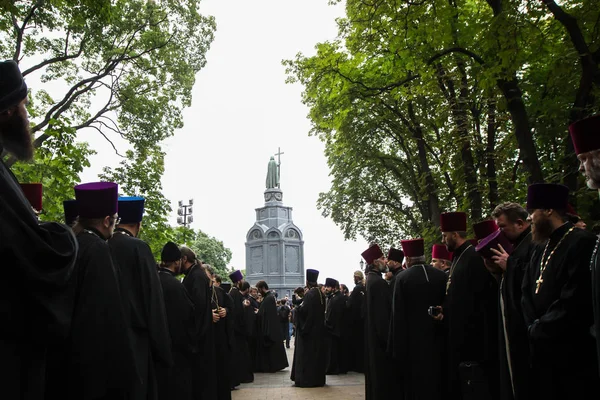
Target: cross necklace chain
454,266
543,265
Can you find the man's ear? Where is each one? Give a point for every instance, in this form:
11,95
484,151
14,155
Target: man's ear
106,222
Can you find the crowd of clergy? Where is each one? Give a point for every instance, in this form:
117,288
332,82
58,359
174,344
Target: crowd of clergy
88,313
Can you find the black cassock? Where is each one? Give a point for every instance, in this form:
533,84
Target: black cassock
471,323
380,378
559,317
242,318
37,261
514,378
175,382
356,343
203,365
308,367
334,327
99,354
270,351
595,270
144,308
416,340
223,343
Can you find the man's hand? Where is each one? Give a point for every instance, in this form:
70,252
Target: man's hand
222,312
216,317
246,303
501,257
440,315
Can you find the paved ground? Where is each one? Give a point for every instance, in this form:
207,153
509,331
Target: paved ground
278,386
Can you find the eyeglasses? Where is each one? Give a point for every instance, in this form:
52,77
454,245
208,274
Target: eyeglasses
117,220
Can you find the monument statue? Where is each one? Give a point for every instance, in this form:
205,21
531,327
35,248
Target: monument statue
272,174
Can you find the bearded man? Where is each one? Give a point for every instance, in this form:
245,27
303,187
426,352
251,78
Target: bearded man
243,319
39,259
308,366
379,374
557,299
585,135
335,328
470,313
394,264
511,218
356,309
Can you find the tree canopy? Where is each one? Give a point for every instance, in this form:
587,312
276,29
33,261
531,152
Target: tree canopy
439,105
116,68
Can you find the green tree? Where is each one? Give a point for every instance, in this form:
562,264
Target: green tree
121,68
212,251
440,105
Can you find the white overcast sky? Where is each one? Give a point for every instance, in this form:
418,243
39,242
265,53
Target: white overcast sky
242,111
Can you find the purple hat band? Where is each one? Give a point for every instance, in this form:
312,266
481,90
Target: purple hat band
97,199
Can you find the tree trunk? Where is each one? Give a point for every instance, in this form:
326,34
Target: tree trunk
433,202
490,155
514,102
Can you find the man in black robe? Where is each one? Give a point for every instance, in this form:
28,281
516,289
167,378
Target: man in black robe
99,355
416,341
142,296
380,379
515,373
356,310
38,258
198,285
176,381
584,134
557,300
395,258
308,366
441,258
270,352
470,315
334,328
70,211
243,318
221,305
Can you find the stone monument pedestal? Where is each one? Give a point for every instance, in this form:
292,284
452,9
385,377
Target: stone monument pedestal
275,247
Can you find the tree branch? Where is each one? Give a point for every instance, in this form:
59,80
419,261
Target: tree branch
61,58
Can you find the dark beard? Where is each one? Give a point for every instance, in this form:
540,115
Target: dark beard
541,231
15,136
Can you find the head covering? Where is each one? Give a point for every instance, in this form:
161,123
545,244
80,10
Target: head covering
395,255
312,275
372,254
492,241
12,86
359,274
585,134
70,209
170,252
481,229
236,276
547,196
413,247
33,193
97,199
226,286
131,209
330,282
453,222
440,252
